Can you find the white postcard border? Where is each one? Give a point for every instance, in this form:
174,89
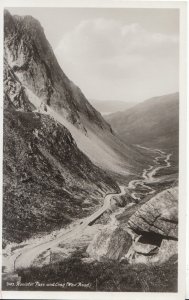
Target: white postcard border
182,147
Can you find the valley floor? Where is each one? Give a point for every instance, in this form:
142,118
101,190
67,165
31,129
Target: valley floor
49,257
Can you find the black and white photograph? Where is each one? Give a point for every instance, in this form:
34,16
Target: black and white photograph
91,102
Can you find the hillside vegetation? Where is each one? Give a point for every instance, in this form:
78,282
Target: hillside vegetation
153,123
46,177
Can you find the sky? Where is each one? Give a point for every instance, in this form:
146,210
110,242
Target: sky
125,54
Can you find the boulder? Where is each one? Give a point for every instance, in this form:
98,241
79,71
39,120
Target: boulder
110,244
147,254
145,249
158,216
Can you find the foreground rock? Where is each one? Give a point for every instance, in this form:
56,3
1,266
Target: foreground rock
150,235
158,216
150,254
109,244
155,229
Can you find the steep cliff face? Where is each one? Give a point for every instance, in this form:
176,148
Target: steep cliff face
48,181
32,59
29,59
14,91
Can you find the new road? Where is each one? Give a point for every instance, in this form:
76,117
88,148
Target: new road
28,255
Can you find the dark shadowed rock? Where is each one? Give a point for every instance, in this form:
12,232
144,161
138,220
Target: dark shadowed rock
145,249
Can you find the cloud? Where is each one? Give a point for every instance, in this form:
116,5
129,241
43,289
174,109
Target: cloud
104,52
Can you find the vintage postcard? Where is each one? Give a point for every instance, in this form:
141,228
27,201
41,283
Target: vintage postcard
94,137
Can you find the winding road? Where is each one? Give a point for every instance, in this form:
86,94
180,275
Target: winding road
28,255
149,173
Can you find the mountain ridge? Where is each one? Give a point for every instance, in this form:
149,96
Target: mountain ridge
30,54
33,65
48,181
109,107
147,122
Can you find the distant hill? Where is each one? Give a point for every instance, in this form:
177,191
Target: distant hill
109,107
153,123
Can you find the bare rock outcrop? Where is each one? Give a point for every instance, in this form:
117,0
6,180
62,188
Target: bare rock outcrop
158,216
109,244
150,235
14,92
31,58
154,228
150,254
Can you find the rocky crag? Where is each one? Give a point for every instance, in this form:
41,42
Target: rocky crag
29,59
32,60
150,235
46,176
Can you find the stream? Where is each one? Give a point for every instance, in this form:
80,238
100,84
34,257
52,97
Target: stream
148,174
136,188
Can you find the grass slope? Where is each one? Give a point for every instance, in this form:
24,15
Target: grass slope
154,122
46,177
75,275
